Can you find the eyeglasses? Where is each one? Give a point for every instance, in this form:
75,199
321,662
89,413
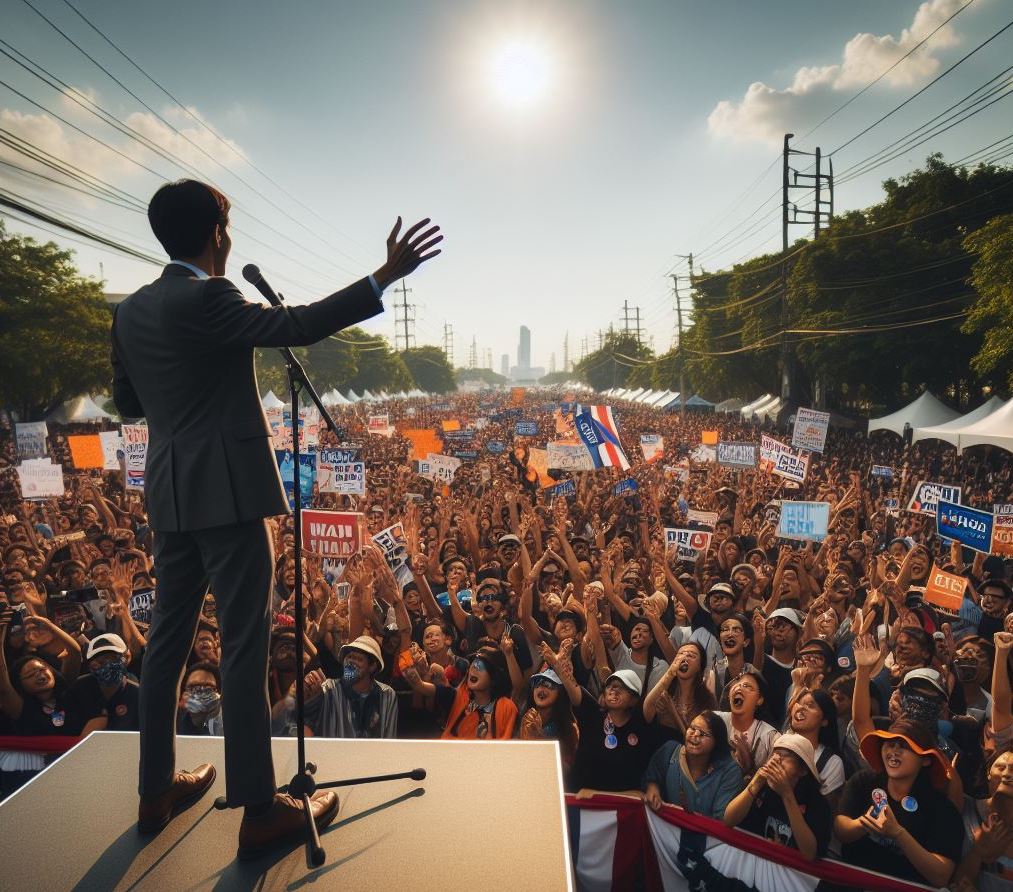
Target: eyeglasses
697,732
486,597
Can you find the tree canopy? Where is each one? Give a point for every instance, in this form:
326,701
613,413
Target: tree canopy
429,368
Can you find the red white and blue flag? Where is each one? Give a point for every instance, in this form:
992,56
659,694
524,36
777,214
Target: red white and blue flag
599,432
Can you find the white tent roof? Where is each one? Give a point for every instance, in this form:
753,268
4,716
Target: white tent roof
747,409
632,395
770,410
353,397
662,398
732,405
334,398
270,401
992,430
84,408
926,411
948,431
366,395
649,397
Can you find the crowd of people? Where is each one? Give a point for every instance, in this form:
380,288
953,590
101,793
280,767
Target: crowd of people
804,691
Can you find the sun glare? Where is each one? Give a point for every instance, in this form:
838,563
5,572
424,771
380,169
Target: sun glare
520,72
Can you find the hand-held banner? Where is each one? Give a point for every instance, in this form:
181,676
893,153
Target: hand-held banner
927,496
968,526
653,447
810,431
804,520
737,455
1002,534
31,439
135,449
945,590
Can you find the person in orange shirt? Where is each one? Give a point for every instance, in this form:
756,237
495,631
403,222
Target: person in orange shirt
482,708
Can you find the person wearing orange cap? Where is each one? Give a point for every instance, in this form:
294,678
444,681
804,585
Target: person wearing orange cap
895,817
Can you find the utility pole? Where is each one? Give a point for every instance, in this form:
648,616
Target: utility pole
552,362
448,343
566,352
407,316
473,354
583,348
678,317
639,330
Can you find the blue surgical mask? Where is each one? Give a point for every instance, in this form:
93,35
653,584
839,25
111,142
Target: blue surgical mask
111,674
350,673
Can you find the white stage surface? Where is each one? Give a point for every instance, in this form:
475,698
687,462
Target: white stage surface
492,817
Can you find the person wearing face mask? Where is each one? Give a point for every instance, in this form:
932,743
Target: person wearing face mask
106,690
200,703
356,705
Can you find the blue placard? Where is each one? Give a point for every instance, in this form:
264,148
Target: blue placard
804,520
440,407
623,487
968,526
340,456
307,475
465,453
565,489
496,447
882,471
526,428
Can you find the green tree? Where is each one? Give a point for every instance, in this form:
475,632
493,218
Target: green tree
54,328
429,368
486,376
612,365
992,312
555,378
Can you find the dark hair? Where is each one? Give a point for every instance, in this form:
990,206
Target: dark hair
719,731
703,699
827,734
561,716
59,687
763,711
204,666
183,215
748,634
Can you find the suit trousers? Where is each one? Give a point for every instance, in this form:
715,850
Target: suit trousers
237,562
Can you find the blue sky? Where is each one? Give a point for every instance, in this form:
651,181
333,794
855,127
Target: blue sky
556,210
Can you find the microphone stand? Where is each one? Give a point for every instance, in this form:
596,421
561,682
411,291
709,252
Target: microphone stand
303,784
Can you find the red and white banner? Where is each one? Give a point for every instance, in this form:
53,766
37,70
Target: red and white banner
615,840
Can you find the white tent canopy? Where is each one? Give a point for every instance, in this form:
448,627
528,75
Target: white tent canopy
926,411
353,397
770,410
993,430
333,398
664,399
84,408
732,405
748,409
948,431
270,401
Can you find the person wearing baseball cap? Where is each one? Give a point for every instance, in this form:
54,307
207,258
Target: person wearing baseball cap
548,715
782,801
356,705
616,740
895,816
107,690
716,605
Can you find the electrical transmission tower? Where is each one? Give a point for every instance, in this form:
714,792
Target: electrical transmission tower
636,330
448,343
404,322
679,327
822,212
473,354
566,352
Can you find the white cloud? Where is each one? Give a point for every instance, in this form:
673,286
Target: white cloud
766,113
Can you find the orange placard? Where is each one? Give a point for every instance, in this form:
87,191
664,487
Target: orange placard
451,424
945,590
86,451
709,438
516,396
538,462
423,442
1002,532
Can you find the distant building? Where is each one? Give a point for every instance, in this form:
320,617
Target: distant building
504,365
524,349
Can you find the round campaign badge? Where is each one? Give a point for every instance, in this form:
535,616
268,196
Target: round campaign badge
909,803
121,710
611,741
57,719
633,740
843,662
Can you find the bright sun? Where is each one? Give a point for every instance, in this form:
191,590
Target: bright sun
520,72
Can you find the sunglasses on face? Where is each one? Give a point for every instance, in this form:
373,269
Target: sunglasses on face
486,598
545,683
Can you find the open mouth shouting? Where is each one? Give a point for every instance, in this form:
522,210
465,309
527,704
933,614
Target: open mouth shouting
737,700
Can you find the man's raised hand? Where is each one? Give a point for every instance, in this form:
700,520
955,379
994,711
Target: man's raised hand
406,254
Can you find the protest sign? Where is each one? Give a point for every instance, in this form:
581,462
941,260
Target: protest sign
569,457
705,519
653,447
526,428
309,431
709,438
379,425
676,472
443,467
538,467
566,489
140,605
810,431
394,546
423,442
770,449
968,526
1002,534
703,454
281,433
307,473
804,520
737,455
496,447
945,590
881,471
336,474
516,396
86,451
40,479
135,451
792,467
928,495
31,439
112,446
451,425
689,544
625,487
332,534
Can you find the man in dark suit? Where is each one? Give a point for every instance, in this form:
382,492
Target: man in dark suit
182,355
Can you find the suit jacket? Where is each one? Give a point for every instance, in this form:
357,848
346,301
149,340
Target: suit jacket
182,355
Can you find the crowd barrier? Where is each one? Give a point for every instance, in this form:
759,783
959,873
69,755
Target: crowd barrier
616,839
47,745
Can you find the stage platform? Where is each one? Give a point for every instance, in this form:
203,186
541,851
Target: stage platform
492,817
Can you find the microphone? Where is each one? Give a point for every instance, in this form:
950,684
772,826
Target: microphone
253,275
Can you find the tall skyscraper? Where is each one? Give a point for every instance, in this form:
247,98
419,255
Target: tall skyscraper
504,365
524,349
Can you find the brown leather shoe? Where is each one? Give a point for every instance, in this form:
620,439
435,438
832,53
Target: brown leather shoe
154,812
283,822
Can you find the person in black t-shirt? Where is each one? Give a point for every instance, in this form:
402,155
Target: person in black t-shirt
107,691
616,741
783,802
913,833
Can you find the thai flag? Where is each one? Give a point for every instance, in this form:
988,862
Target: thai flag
598,430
